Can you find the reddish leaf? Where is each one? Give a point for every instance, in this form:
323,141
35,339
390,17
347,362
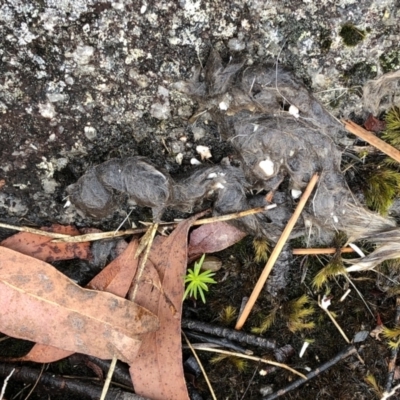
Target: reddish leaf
115,278
213,237
43,249
42,305
157,371
374,124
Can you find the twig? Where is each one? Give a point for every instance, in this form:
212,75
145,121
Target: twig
5,383
372,139
219,342
275,253
230,334
301,252
35,384
393,354
109,235
342,355
33,230
108,379
263,360
201,366
249,384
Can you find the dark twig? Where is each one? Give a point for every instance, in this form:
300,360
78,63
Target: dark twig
340,356
230,334
72,387
222,342
393,353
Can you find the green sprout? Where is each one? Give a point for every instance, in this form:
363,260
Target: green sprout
197,281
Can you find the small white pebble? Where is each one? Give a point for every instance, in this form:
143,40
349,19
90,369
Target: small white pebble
262,372
143,9
183,139
179,158
304,348
294,111
296,193
212,175
218,185
204,152
291,153
255,127
67,204
195,161
267,166
335,219
33,146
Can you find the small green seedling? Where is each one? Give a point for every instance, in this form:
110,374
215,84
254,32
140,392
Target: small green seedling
197,281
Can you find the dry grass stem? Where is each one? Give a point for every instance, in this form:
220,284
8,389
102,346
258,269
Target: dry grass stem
370,138
231,353
90,237
275,253
310,251
146,243
36,231
108,379
201,366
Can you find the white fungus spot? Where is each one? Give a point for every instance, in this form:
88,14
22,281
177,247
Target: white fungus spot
294,111
267,166
204,152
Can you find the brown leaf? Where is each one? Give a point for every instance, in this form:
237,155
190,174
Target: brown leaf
157,371
43,249
115,278
213,237
374,124
40,304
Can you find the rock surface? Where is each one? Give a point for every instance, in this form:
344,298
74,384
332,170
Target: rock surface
82,82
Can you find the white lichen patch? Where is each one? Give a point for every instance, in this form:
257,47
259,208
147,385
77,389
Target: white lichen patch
47,110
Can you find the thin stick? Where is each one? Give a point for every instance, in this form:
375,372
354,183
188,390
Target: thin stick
302,252
372,139
108,379
294,385
275,253
393,354
33,230
35,384
201,366
5,383
109,235
263,360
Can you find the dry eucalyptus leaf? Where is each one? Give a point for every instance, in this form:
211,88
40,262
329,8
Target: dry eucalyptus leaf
42,305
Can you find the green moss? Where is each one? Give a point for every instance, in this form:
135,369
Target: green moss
390,61
383,185
351,35
392,130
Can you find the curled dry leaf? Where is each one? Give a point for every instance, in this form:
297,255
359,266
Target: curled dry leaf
157,371
211,238
43,249
40,300
115,278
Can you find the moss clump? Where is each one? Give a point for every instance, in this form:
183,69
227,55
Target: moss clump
390,61
359,73
392,130
383,185
351,35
